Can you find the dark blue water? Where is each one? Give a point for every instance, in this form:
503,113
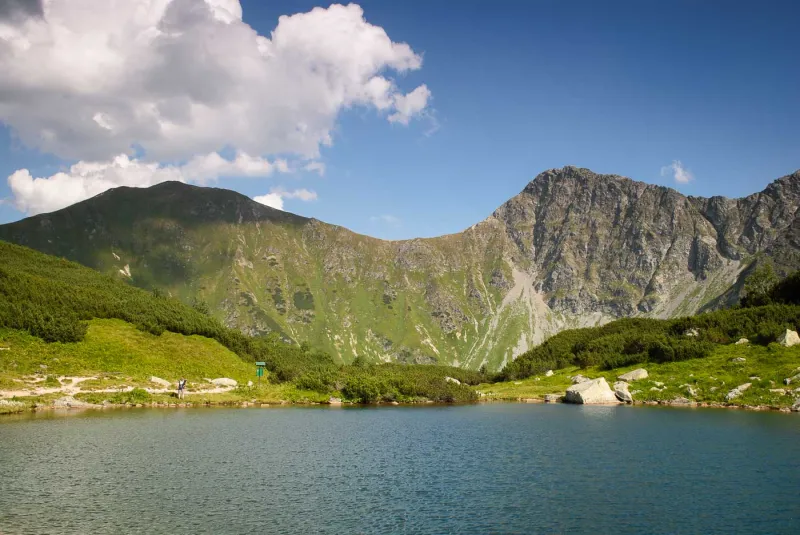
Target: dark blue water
498,468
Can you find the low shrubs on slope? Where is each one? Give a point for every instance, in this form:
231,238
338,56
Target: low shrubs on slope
637,340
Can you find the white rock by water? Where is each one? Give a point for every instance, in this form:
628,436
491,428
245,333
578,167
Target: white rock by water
789,338
551,398
224,381
591,391
736,392
160,381
69,402
634,375
622,393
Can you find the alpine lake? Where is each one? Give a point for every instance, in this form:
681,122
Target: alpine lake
466,469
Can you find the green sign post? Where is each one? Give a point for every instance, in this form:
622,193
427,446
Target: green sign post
260,370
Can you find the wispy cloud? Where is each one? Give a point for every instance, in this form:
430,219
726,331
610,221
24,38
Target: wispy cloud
680,173
387,219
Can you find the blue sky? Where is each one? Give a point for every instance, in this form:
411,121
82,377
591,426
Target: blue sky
521,87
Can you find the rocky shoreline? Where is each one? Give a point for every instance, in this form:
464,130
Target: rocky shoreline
75,405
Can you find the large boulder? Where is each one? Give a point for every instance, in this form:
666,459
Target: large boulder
224,381
622,393
589,392
634,375
789,338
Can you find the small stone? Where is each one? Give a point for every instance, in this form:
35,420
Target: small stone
658,384
224,381
736,392
552,398
754,378
578,379
796,406
739,359
778,390
691,391
456,381
517,382
548,373
742,341
334,401
159,381
691,332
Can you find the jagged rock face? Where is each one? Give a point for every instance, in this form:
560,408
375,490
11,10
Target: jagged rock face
574,248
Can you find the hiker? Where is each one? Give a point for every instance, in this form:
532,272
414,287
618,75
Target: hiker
181,388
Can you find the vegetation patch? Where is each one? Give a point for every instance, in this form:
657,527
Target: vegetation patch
304,300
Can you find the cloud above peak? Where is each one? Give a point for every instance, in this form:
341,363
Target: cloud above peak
277,195
91,79
86,179
679,173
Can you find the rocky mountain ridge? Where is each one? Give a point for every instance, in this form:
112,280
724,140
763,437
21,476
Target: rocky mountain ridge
574,248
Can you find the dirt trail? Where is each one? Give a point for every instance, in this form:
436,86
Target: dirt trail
71,386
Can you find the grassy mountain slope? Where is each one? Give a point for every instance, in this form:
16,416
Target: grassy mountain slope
59,320
122,354
572,249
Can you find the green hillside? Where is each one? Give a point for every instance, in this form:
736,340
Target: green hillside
61,322
120,352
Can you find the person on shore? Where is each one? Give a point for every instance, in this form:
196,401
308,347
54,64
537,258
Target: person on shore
181,388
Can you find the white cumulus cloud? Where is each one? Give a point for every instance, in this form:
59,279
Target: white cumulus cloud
87,179
92,79
276,196
679,173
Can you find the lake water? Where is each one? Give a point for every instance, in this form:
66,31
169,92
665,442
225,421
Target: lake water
494,468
